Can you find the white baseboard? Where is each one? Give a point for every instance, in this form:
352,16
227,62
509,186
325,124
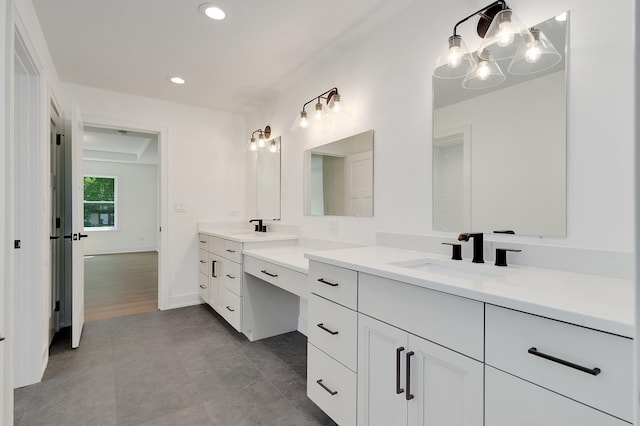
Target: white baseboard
185,300
302,325
119,250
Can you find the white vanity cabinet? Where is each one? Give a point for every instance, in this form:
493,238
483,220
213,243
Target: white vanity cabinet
404,379
568,363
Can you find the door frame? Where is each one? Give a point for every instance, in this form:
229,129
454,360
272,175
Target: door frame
163,196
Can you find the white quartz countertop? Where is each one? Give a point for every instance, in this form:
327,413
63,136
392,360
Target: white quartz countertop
292,257
246,236
596,302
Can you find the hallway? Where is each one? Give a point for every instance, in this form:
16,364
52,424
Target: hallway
179,367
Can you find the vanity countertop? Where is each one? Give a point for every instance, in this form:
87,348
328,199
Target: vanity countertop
591,301
246,236
292,257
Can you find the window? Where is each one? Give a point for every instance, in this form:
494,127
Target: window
99,203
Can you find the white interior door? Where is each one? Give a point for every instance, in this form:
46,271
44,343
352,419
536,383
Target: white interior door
359,182
77,227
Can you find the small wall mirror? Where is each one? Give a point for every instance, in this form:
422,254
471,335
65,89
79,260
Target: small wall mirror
339,177
499,154
268,180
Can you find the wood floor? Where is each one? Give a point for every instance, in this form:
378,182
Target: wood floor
116,285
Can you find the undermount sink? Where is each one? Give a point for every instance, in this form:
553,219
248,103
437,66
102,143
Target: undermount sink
462,271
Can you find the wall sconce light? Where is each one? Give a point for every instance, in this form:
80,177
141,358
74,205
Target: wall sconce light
504,37
332,102
263,135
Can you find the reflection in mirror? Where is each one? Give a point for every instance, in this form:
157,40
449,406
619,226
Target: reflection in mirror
268,180
499,154
339,177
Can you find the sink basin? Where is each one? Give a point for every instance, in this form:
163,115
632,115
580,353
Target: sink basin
463,271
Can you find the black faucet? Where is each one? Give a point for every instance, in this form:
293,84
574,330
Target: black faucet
478,256
259,227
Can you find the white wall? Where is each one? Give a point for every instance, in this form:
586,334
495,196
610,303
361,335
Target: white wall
136,209
206,171
384,77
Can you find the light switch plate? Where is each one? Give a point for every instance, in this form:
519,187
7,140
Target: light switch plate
179,207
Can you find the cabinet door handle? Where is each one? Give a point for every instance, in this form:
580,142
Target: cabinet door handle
409,396
264,271
1,339
593,371
332,392
399,390
231,277
202,286
231,251
323,281
203,261
321,325
203,242
213,269
232,310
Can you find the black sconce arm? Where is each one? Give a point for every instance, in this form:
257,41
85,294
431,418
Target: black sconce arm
326,95
488,16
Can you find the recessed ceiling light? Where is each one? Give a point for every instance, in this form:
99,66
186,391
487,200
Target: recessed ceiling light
212,11
177,80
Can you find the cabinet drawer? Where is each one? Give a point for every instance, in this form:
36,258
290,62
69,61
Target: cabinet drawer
203,287
232,277
233,250
287,279
334,283
204,262
334,329
338,399
232,308
511,337
451,321
216,245
203,241
511,401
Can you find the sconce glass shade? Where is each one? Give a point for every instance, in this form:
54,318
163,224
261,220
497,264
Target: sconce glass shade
455,60
261,141
486,73
273,146
301,122
334,103
319,111
504,36
252,145
537,54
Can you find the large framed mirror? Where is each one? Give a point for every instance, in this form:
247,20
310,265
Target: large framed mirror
339,177
268,180
499,154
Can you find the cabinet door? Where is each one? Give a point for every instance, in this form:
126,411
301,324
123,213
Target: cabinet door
447,387
381,375
216,268
512,401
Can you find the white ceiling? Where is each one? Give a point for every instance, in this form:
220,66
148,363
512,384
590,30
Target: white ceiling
113,145
133,46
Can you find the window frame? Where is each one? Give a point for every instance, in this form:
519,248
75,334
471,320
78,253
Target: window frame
115,226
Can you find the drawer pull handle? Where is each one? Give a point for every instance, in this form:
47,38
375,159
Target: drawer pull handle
232,310
409,396
593,371
202,286
213,269
399,390
332,392
203,242
323,281
231,251
231,277
264,271
321,325
203,261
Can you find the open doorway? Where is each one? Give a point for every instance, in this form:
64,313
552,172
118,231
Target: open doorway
121,183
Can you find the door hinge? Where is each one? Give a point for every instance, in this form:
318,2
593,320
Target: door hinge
57,222
17,244
161,229
57,308
59,139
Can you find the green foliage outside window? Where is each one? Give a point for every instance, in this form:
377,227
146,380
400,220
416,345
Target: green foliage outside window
99,202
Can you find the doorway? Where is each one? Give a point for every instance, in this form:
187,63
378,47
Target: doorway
121,187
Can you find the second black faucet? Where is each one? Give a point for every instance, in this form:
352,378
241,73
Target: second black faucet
259,227
478,253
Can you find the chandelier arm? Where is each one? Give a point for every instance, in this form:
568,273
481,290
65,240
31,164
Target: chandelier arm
480,12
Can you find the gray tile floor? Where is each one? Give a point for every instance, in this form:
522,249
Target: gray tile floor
179,367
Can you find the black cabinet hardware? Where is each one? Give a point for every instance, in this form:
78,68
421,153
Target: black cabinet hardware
321,325
323,281
456,253
506,231
203,261
409,396
81,236
399,390
593,371
501,256
1,339
232,310
17,244
264,271
332,392
231,277
213,269
203,242
53,237
67,237
202,286
231,251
